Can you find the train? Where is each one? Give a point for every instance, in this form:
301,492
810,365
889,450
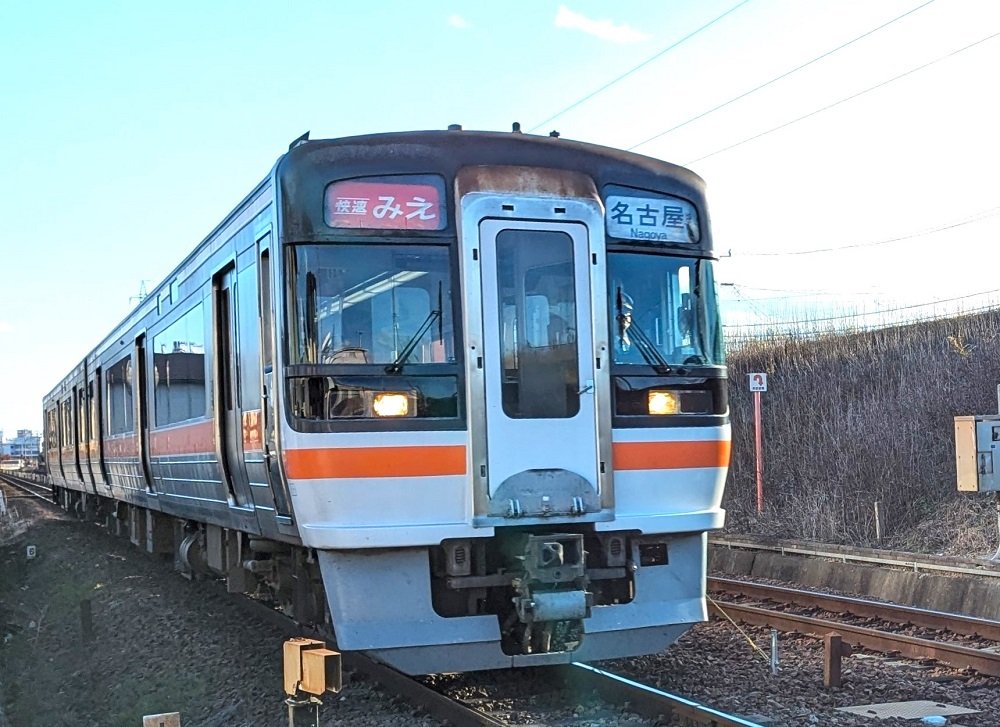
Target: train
457,397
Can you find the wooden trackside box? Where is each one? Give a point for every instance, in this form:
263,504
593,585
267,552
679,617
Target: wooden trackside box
292,657
321,671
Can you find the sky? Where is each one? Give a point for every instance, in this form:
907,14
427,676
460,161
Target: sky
128,130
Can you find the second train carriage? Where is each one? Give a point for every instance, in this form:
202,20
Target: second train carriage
461,395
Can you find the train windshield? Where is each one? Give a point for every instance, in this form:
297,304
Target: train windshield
664,311
370,304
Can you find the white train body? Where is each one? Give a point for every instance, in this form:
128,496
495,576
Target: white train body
461,396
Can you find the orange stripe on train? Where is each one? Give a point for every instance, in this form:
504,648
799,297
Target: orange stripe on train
670,455
343,462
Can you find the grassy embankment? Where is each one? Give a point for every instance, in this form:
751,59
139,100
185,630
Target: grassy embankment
851,419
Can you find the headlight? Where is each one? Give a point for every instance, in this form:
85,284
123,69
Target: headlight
663,402
391,404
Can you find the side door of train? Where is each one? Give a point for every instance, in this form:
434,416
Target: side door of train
226,374
537,264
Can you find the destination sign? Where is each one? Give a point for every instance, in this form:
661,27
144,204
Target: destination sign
652,219
383,205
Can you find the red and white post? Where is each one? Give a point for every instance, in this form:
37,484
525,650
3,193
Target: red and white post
758,385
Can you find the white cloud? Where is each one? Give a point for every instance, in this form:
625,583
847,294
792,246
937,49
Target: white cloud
457,21
6,327
604,29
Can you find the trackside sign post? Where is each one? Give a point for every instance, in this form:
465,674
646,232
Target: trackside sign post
758,385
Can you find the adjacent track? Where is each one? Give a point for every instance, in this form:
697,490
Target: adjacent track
34,487
941,620
955,655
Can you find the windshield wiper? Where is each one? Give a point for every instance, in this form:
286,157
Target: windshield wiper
396,367
650,353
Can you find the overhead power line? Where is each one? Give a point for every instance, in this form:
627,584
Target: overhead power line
749,302
849,316
784,75
977,217
845,99
629,72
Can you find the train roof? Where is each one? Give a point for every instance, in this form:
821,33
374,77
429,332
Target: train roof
453,149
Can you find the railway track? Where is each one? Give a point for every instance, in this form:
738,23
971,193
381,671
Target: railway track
642,699
939,620
639,698
954,654
33,487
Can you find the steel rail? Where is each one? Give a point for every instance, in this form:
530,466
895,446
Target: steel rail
42,492
649,701
911,561
953,622
960,657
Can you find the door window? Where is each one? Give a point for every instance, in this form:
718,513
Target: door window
538,342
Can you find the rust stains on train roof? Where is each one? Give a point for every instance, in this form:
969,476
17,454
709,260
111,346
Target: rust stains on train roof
452,150
535,181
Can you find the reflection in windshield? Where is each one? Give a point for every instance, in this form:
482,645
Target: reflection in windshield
370,304
664,311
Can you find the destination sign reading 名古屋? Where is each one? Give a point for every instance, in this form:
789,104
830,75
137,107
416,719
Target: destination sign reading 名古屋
654,219
383,205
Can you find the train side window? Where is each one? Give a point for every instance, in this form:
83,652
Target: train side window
57,424
265,308
248,318
50,429
67,421
82,415
179,370
92,399
120,404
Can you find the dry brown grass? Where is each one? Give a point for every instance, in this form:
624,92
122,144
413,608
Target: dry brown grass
851,419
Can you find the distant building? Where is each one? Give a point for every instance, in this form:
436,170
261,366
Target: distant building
24,445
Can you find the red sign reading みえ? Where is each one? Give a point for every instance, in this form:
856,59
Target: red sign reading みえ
384,205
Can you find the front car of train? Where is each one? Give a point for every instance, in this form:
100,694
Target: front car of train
500,393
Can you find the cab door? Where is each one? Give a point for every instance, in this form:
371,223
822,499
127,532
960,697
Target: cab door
544,453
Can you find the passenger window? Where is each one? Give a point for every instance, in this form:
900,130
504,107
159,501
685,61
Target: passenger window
179,370
120,408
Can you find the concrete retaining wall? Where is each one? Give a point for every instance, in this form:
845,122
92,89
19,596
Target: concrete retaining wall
955,593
